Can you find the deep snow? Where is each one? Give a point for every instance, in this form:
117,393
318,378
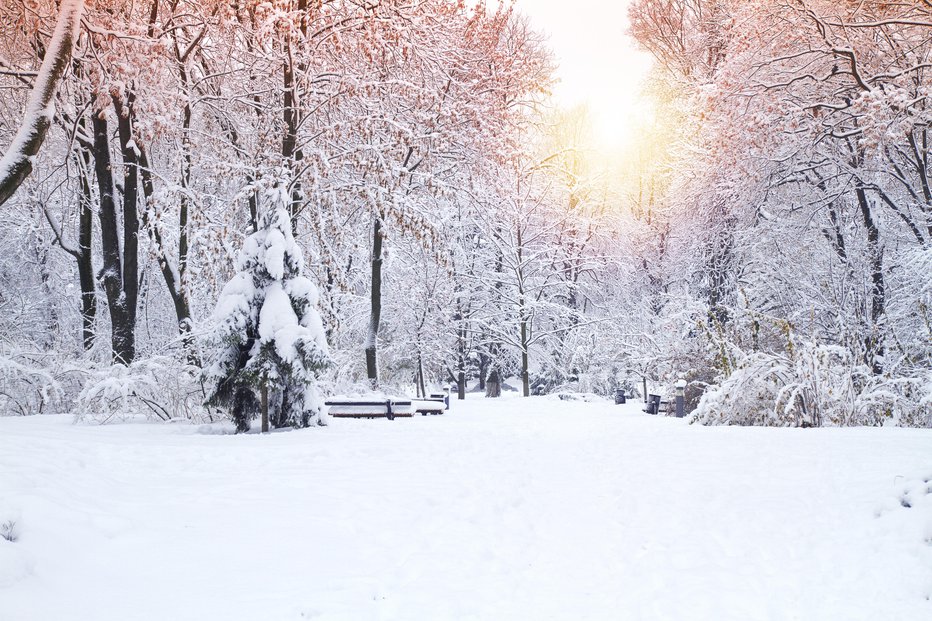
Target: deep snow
511,509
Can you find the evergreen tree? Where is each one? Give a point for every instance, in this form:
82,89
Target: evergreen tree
269,333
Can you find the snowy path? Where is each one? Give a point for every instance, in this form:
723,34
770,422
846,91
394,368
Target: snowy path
532,509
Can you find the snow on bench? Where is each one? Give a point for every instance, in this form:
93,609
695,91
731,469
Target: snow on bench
430,405
369,408
375,407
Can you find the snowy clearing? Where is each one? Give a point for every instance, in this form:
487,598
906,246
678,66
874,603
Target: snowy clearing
515,509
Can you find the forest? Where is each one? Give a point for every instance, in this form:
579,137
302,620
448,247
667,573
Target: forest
767,237
454,310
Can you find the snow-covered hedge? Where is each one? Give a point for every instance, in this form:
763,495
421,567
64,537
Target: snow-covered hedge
815,385
158,388
27,387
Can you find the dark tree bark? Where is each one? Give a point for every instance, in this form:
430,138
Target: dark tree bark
291,113
525,361
495,347
461,384
84,256
111,273
419,380
265,406
493,385
82,252
461,363
375,300
873,342
119,275
523,324
459,320
920,152
184,317
125,119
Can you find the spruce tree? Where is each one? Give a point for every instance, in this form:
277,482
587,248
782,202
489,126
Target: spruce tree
268,332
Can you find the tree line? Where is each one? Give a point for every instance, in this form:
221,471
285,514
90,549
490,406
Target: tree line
766,238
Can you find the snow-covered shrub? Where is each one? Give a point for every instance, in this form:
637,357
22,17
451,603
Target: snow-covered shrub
268,331
905,401
813,385
158,388
27,388
8,531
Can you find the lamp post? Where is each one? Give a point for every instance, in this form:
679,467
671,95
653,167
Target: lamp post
680,398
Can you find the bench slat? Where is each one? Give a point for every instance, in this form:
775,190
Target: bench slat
349,408
367,403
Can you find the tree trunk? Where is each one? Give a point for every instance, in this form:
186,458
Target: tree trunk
291,115
130,294
525,375
265,406
16,163
873,341
253,202
372,367
421,384
523,319
84,256
111,276
459,318
484,362
461,384
525,359
494,347
493,385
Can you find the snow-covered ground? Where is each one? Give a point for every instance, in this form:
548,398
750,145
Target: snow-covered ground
516,509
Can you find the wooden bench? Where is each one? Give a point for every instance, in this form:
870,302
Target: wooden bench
434,404
374,408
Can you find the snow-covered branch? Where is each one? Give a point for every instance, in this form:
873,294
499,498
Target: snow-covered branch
17,162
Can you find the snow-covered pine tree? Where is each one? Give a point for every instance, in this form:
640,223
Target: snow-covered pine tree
268,330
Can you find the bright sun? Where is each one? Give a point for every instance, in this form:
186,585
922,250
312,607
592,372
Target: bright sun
599,65
616,123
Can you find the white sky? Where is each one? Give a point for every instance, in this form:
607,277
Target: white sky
599,64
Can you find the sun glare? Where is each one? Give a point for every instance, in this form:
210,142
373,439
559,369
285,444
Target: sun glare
616,124
600,67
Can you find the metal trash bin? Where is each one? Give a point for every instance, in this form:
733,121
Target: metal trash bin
653,405
620,397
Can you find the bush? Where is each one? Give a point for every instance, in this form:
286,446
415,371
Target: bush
903,401
8,531
27,388
811,386
158,388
